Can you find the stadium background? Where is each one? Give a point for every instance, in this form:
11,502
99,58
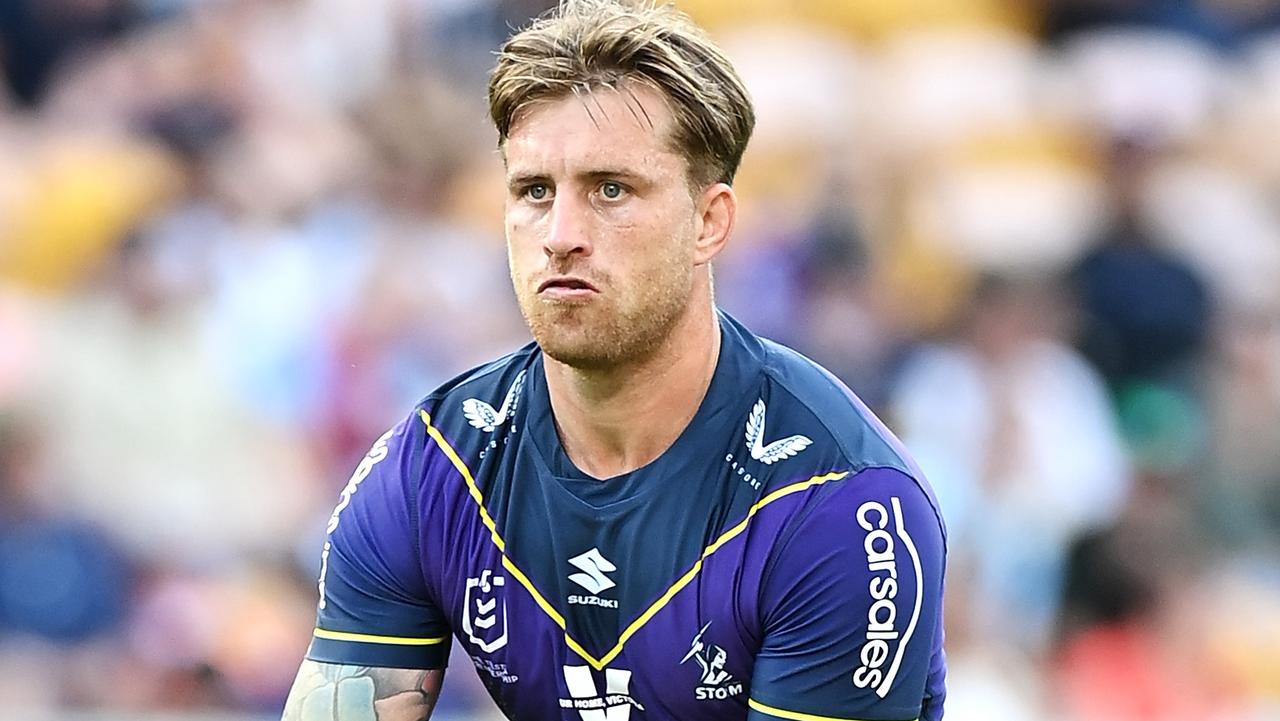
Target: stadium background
240,238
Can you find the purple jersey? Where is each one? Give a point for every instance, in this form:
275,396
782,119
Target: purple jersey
782,560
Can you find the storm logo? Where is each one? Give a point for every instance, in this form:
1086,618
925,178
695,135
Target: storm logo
716,682
882,615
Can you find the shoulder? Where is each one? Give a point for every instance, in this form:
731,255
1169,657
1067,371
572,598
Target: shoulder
483,397
483,381
850,437
806,393
851,593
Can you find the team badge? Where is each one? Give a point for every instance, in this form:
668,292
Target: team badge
716,683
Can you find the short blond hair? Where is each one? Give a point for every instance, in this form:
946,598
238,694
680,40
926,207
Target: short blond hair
583,45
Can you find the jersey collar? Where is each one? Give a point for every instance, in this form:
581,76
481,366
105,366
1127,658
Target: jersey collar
738,369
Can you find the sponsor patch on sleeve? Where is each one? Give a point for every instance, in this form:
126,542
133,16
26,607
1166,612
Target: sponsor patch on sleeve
891,619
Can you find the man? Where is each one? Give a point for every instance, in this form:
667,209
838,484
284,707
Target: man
648,513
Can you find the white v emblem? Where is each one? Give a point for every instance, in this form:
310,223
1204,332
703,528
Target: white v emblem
776,451
482,415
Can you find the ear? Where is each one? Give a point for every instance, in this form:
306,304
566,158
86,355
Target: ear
717,211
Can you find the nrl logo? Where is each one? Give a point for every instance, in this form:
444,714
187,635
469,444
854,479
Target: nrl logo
482,415
776,451
485,607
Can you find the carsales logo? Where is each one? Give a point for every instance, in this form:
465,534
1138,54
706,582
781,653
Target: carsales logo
887,635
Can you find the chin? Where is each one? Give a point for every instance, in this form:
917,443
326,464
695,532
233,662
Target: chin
598,336
578,349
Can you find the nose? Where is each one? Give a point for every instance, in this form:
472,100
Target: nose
567,232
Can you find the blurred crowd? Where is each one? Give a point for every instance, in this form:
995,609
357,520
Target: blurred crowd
240,238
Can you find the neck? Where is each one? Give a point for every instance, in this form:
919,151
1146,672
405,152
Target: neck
614,420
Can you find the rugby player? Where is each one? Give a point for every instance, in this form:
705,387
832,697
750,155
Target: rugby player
648,513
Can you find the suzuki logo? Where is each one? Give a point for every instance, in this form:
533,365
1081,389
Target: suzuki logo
593,566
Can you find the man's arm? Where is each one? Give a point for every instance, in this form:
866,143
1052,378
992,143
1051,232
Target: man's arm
333,692
380,645
853,607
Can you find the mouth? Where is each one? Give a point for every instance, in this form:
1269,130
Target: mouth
566,284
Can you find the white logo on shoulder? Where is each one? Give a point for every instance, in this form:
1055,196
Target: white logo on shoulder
482,415
882,614
776,451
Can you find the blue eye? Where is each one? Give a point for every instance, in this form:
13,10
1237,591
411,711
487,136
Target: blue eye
611,190
537,191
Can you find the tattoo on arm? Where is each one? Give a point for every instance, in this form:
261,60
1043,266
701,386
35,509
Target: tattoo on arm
333,692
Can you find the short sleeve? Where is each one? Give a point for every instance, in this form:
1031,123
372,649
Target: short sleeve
374,608
852,605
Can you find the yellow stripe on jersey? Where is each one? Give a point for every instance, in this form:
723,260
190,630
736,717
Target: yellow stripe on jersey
466,476
657,605
724,538
485,518
794,715
370,638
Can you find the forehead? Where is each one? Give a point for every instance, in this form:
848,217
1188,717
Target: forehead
629,127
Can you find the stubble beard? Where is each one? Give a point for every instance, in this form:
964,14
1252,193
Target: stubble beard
610,330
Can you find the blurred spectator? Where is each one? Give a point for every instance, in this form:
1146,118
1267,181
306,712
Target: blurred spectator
1016,433
60,578
1132,641
38,36
1225,23
129,391
77,196
1242,491
1145,312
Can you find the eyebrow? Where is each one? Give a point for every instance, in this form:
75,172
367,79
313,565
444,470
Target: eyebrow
526,178
519,179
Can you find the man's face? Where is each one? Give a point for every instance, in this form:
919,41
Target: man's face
600,224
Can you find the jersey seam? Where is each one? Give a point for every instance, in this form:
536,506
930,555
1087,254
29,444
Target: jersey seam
412,499
396,585
785,536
